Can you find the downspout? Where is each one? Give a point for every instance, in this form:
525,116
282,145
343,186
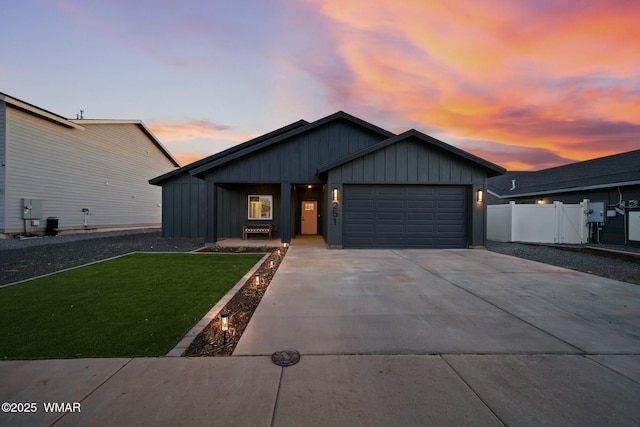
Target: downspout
624,231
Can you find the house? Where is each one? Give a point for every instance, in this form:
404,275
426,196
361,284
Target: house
611,184
76,174
354,183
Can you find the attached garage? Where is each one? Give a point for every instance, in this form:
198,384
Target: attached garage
409,191
405,216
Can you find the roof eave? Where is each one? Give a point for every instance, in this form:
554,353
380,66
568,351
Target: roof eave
493,169
39,112
566,190
199,171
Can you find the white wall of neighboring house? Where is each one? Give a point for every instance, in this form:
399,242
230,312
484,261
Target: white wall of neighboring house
543,223
101,166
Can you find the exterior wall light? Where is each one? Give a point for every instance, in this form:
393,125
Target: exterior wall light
334,195
479,196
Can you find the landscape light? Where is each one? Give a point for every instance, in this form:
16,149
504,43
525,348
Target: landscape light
224,321
257,280
224,325
271,264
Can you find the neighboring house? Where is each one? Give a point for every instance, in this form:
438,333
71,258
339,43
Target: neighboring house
612,182
85,174
354,183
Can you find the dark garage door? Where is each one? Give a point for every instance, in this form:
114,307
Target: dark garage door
404,216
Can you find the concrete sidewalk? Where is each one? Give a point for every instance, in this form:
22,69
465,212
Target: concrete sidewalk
387,337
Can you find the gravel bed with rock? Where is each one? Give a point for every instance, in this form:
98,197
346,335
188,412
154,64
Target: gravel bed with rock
22,259
576,258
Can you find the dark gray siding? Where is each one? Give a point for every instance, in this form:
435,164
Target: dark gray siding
233,209
184,207
297,159
411,161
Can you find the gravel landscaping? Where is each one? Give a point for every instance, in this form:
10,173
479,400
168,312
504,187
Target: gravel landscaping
23,259
27,258
575,258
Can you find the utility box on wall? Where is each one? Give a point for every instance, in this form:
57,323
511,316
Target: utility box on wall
31,209
596,212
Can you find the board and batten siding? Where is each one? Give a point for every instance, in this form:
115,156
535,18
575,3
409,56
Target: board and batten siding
296,160
104,168
408,162
411,161
184,207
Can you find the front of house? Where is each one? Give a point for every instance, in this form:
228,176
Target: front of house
357,185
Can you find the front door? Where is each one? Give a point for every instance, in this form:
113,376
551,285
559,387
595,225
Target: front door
309,217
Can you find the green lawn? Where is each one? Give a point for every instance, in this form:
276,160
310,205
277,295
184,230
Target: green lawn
136,305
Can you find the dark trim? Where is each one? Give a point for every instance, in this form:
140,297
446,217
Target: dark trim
492,168
244,150
158,180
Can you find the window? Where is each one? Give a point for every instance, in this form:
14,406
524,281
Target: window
260,207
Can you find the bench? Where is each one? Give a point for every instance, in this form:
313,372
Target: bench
256,229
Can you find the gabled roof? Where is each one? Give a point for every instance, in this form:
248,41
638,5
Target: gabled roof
617,170
228,152
78,124
492,168
244,150
37,111
140,125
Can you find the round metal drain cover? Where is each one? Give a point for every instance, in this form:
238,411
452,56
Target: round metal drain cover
285,357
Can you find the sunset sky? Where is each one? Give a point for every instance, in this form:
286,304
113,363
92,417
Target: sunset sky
525,84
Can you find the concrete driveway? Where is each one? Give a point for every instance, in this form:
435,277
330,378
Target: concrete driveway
387,337
439,301
448,337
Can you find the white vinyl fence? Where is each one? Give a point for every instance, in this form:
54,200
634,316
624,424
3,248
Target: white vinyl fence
552,223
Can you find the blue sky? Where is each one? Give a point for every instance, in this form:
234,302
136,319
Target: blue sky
521,85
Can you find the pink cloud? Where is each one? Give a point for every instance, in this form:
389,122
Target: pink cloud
560,77
197,129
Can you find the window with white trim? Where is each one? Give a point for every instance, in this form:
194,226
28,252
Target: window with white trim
260,207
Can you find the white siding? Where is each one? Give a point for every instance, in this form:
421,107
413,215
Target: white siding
2,167
104,168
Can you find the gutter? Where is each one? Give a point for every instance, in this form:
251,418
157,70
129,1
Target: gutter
566,190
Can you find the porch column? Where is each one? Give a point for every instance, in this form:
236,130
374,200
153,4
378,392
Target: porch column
285,212
211,213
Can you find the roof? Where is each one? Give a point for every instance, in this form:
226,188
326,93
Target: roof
79,124
617,170
492,168
340,115
37,111
140,125
228,152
